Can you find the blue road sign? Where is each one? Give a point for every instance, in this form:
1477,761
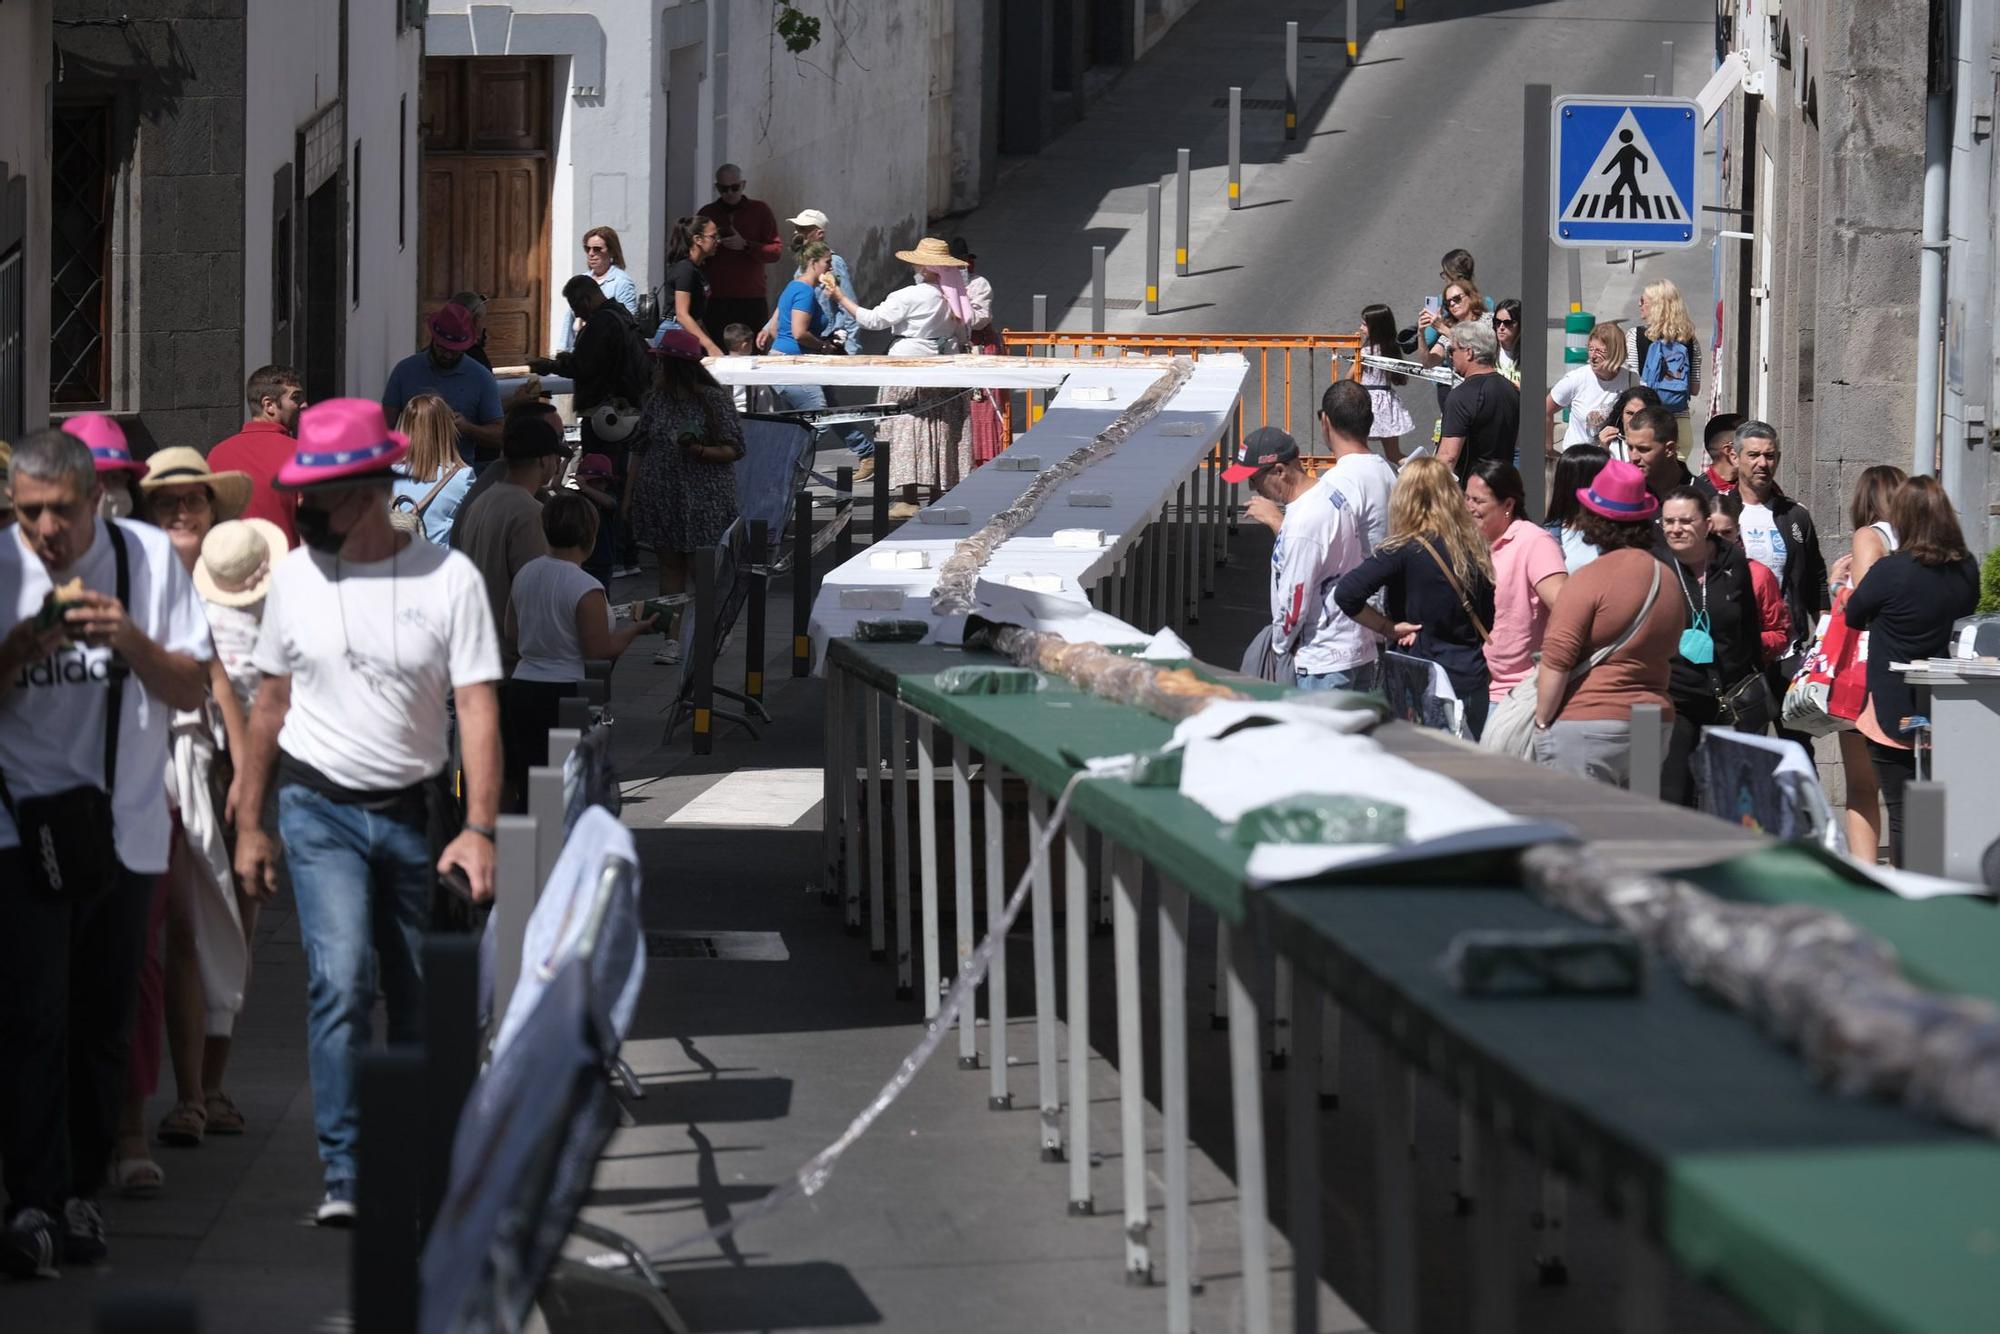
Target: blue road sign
1624,171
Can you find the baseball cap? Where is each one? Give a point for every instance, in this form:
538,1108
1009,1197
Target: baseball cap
810,217
594,465
1263,447
530,435
451,327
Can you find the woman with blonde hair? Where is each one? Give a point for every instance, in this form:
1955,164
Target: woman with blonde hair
1665,356
1438,570
1874,537
1590,390
432,479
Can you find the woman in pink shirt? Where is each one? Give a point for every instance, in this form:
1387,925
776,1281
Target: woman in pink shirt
1528,572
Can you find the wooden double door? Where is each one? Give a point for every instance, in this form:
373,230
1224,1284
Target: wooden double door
486,174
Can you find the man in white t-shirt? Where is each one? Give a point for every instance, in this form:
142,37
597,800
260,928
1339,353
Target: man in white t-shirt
102,615
1318,540
365,634
1590,390
1346,414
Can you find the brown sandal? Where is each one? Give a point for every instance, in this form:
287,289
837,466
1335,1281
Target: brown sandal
223,1116
183,1126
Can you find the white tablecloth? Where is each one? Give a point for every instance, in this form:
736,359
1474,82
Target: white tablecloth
966,371
1140,478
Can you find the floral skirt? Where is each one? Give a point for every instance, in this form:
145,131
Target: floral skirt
930,444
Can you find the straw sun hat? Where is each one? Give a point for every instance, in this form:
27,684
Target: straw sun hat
931,253
178,465
236,560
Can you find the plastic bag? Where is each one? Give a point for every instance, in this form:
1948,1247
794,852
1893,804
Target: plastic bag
1322,818
989,681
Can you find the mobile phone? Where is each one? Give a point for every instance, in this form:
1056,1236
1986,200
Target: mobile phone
454,880
1434,304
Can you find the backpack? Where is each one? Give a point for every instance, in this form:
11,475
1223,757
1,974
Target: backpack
1664,367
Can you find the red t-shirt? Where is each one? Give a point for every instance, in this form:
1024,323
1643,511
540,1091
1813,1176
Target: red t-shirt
739,274
260,449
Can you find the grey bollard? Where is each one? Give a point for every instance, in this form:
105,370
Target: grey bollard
1097,289
545,808
1183,174
1291,81
1647,755
573,711
1152,250
1235,148
1923,828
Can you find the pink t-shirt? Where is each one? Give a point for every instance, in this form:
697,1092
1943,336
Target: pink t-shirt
1523,557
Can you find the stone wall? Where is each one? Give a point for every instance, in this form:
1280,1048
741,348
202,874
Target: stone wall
175,68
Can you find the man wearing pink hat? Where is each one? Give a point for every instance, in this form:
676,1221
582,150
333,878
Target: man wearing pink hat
444,369
365,633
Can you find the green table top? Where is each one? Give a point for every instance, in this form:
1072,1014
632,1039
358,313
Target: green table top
1818,1213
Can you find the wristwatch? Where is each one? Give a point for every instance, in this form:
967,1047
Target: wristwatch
485,831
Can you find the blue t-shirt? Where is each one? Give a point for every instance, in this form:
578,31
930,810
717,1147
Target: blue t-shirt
798,295
438,516
468,387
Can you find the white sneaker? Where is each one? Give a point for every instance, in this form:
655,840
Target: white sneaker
669,654
337,1209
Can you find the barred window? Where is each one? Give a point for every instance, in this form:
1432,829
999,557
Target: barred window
81,189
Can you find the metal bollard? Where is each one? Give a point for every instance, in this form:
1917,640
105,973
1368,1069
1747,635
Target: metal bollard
1235,147
1647,745
1923,828
1575,282
701,653
1652,85
1291,81
1399,11
802,582
573,711
1666,69
1354,31
1097,289
382,1263
1038,399
452,1045
1152,250
1182,176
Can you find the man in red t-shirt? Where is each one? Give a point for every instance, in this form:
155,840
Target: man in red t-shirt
265,444
739,292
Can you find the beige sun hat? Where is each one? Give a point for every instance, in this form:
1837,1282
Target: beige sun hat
236,560
931,253
178,465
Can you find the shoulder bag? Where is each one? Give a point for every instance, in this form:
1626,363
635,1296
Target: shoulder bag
411,519
1510,725
67,837
1464,602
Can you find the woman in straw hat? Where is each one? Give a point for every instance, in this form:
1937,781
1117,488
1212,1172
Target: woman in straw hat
199,985
930,444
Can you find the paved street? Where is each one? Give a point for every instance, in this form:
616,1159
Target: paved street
943,1216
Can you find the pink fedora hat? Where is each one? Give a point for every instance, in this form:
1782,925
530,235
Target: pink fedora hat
340,440
106,439
1619,493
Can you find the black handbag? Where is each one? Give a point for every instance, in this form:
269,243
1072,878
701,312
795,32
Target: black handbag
67,837
1747,706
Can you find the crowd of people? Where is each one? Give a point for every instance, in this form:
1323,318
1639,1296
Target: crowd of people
232,673
1697,590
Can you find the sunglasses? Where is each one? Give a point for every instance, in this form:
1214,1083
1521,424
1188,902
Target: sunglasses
1505,324
735,189
597,250
164,503
1455,299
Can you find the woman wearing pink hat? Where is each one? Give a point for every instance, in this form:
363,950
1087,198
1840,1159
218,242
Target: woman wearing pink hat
116,468
1611,636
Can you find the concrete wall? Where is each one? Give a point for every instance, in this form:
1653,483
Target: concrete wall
178,259
293,75
25,71
1845,127
843,128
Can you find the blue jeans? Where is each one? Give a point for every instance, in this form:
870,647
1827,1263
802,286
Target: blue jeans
812,398
362,880
1353,678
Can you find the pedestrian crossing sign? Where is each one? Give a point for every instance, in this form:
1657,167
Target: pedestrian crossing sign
1624,171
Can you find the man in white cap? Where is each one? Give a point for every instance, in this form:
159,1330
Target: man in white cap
843,328
810,225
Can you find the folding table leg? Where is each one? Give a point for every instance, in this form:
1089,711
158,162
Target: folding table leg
1174,1104
1395,1191
1302,1151
1281,1015
878,926
1551,1264
1218,1013
1103,884
1076,944
829,801
961,869
996,974
1170,548
1329,1056
1190,529
1493,1230
1246,1102
899,788
1131,1066
850,804
927,857
1644,1298
1041,893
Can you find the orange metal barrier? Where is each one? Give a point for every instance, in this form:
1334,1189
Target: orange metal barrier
1306,363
